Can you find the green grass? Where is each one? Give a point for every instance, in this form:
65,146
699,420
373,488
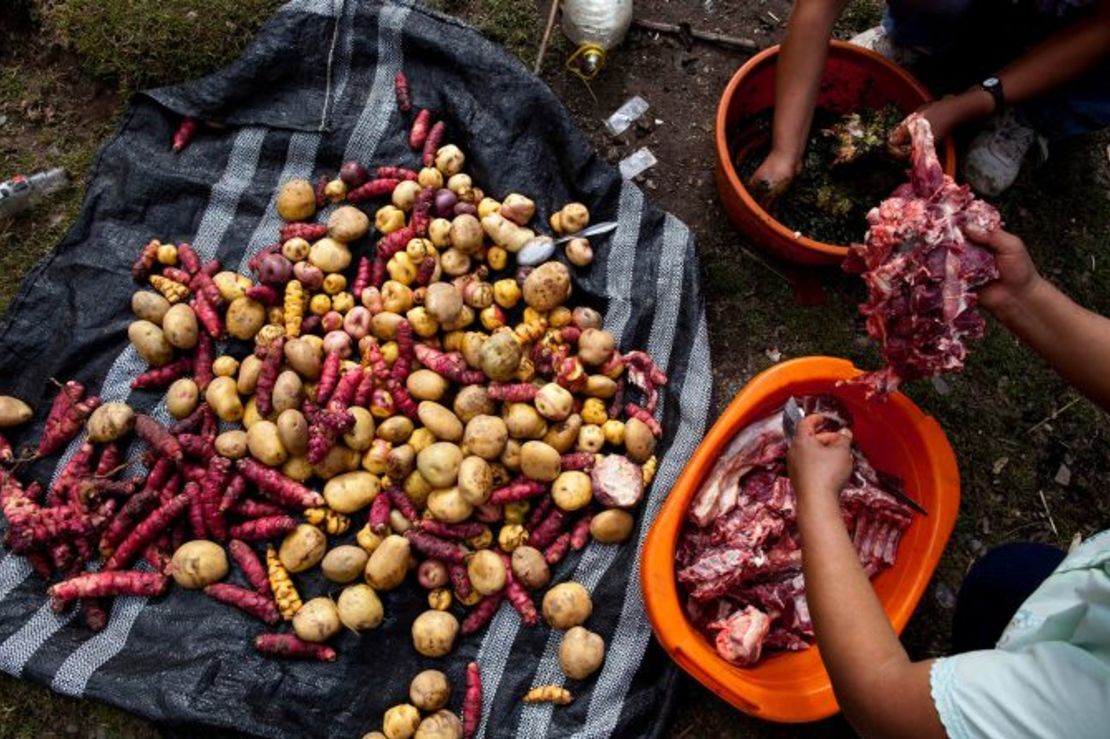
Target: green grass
145,43
515,24
32,712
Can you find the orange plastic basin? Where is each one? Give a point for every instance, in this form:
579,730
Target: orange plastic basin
898,438
854,78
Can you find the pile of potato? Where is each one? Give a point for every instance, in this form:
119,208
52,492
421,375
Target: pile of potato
482,312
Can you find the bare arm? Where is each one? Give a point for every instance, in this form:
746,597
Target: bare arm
797,80
1059,59
879,689
1074,340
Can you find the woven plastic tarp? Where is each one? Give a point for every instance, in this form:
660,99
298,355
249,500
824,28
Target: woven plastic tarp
314,89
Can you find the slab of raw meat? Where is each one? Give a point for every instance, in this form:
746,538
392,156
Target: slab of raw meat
739,558
921,272
740,636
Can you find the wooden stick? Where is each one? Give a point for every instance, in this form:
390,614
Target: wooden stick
546,36
715,38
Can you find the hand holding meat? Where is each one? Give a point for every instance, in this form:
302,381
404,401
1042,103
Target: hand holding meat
1017,275
819,462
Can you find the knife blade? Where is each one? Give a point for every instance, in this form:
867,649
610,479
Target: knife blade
792,414
595,230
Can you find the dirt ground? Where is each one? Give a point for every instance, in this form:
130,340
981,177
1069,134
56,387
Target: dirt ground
1033,454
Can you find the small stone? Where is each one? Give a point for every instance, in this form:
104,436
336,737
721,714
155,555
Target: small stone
536,251
999,465
774,354
946,597
942,387
1063,475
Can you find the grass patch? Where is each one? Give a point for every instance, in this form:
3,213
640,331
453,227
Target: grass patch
30,711
515,24
145,43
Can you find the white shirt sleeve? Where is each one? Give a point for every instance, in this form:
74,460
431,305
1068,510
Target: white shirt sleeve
1048,689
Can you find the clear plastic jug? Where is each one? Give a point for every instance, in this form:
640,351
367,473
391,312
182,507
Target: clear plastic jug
596,26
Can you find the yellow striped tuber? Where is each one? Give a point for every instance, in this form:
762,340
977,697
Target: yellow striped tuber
285,593
294,308
549,694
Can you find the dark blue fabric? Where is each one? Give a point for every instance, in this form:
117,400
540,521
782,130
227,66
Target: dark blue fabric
995,587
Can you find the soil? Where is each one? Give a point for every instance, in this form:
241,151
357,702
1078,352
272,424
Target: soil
1033,453
830,198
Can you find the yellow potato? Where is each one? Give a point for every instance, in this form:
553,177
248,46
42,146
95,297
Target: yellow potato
359,607
448,505
150,342
302,548
288,392
232,444
567,604
223,397
440,421
486,572
388,564
361,435
264,443
109,422
439,463
149,306
245,317
317,620
434,633
180,326
572,490
611,526
344,563
198,563
351,491
293,432
539,461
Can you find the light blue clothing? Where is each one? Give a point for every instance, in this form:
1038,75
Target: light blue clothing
1050,673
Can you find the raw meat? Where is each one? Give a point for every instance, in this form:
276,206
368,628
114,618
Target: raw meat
739,557
922,274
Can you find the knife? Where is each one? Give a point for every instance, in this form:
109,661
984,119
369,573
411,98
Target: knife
595,230
792,414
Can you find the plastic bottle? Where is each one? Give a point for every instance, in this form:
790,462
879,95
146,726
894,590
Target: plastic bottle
22,192
596,26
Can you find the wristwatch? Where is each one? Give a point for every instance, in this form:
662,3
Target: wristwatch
993,85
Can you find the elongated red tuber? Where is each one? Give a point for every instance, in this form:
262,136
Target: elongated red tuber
580,533
555,551
109,461
548,529
452,366
434,141
403,92
539,513
264,294
454,531
472,701
278,487
66,418
260,529
635,411
218,477
260,606
307,231
583,461
184,134
251,508
419,133
329,377
482,613
267,377
460,581
395,173
521,392
79,465
147,531
292,647
362,277
236,486
373,189
6,454
434,547
402,503
519,597
519,489
107,584
379,515
251,566
145,262
158,437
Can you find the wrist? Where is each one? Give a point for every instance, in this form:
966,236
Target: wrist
976,104
1021,303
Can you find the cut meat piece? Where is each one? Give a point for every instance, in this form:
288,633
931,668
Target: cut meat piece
740,636
741,567
921,272
757,445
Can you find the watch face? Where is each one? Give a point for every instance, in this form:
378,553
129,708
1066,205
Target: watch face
990,82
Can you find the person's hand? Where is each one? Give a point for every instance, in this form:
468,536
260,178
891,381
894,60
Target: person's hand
819,463
774,177
1017,275
945,116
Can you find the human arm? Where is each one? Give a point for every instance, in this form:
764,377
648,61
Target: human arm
880,690
1074,340
1057,60
797,79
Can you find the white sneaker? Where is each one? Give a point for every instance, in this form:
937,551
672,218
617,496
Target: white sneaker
877,40
995,155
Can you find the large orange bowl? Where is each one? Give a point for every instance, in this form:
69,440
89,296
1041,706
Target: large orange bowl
854,78
898,438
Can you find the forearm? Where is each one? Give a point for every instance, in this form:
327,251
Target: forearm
879,689
1059,59
1074,340
798,75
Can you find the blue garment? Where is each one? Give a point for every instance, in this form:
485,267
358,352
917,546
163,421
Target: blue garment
1049,674
970,28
